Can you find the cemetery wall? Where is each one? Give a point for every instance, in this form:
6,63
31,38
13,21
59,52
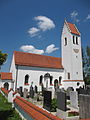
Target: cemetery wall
29,109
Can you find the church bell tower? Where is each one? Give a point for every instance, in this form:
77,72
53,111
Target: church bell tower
71,56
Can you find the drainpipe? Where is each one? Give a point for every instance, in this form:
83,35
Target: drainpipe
16,77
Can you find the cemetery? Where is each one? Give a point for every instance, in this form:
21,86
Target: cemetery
62,105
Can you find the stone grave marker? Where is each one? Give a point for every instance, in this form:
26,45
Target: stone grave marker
47,100
69,89
61,105
88,90
84,106
81,90
61,100
20,91
25,94
74,99
36,89
31,92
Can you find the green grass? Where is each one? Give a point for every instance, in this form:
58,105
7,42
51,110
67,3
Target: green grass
6,110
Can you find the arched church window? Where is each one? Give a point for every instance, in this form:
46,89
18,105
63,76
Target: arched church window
65,41
47,75
51,77
26,79
68,75
56,86
41,78
76,40
73,39
6,85
60,79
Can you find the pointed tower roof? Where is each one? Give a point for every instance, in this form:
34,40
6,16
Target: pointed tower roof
72,28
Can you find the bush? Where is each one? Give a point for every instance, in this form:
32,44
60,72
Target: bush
6,110
53,105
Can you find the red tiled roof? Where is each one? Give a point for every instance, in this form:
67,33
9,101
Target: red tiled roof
34,111
85,119
73,29
35,60
5,76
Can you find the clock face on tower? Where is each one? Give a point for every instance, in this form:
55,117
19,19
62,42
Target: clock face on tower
76,50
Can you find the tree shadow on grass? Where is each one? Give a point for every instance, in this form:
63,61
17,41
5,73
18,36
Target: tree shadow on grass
4,115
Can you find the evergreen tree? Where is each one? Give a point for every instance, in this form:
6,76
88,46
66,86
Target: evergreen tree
86,65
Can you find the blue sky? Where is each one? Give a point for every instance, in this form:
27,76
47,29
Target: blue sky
36,25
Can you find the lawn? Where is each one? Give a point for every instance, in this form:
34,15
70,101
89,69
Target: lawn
6,110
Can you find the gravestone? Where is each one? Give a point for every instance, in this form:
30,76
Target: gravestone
84,106
68,92
25,94
74,99
61,100
17,90
36,91
88,90
47,100
10,96
52,93
31,92
61,105
20,91
81,90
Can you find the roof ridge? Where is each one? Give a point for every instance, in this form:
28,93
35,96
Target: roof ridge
5,72
77,29
67,25
37,54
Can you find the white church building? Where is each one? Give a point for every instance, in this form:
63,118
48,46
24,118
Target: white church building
32,69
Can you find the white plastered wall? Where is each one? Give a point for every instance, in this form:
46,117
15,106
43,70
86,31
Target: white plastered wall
34,75
71,61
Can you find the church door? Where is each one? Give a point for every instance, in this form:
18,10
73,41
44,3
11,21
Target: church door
6,86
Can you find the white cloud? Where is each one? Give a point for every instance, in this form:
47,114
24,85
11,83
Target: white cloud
51,48
31,49
88,17
74,16
44,23
33,31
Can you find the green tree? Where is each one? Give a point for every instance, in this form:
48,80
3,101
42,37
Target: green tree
3,57
86,65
